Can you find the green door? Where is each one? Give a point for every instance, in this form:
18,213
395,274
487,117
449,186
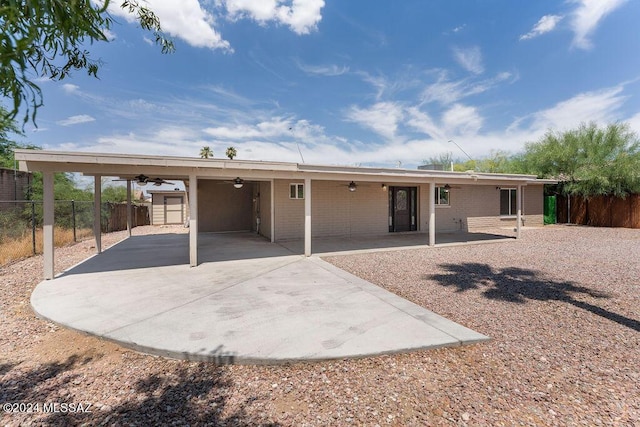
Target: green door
550,210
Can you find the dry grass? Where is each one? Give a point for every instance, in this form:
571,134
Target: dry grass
16,249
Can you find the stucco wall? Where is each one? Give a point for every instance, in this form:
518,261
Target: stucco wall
221,207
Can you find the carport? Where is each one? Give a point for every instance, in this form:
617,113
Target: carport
294,201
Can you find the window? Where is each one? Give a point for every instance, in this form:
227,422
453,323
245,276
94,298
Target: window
401,200
296,191
442,196
508,201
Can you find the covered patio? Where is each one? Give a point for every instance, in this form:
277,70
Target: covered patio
315,217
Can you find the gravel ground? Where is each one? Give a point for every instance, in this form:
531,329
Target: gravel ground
562,306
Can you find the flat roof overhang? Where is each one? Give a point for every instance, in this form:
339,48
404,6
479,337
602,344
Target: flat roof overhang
180,168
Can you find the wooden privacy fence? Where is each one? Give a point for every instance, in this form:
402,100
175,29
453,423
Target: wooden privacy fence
114,216
600,211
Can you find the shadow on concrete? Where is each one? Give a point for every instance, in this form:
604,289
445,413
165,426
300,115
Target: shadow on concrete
161,250
518,285
326,245
182,394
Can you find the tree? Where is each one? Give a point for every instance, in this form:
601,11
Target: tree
8,127
205,152
497,161
48,39
114,193
589,160
231,152
445,160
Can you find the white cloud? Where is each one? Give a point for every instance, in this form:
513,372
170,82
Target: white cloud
382,118
111,36
634,123
423,123
70,88
323,70
302,16
461,120
587,16
185,19
276,127
469,58
546,24
601,106
76,120
447,92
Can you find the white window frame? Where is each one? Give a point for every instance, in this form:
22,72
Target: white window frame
511,190
438,201
298,186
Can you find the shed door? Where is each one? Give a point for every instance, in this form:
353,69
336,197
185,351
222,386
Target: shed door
173,210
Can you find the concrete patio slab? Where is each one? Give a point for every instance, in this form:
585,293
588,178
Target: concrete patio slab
264,305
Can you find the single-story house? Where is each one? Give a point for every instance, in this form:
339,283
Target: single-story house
284,201
168,207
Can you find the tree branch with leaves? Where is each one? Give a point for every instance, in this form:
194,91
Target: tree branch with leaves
47,39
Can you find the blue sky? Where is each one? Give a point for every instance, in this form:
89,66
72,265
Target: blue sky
369,83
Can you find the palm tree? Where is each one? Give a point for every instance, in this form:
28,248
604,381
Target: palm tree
231,153
205,152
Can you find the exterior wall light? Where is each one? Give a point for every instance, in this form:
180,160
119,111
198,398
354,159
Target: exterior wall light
352,186
238,182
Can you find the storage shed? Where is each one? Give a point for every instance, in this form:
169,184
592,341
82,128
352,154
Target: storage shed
168,207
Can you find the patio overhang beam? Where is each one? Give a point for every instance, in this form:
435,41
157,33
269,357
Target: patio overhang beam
182,168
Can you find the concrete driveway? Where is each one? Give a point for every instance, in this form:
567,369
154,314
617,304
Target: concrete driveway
257,303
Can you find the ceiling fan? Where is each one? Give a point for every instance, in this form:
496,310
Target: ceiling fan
237,183
353,186
143,180
447,187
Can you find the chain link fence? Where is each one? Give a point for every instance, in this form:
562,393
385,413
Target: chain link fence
21,224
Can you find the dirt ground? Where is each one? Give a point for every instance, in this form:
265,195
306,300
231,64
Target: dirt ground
562,306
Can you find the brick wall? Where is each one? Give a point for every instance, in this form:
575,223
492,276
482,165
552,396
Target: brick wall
338,212
289,213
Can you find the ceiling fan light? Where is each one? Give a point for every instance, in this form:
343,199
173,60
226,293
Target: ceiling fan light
352,186
238,182
141,180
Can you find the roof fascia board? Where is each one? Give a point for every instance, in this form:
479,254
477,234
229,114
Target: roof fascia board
182,168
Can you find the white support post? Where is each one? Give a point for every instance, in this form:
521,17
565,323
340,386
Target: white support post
129,219
193,220
519,210
97,211
432,214
48,207
307,216
273,211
